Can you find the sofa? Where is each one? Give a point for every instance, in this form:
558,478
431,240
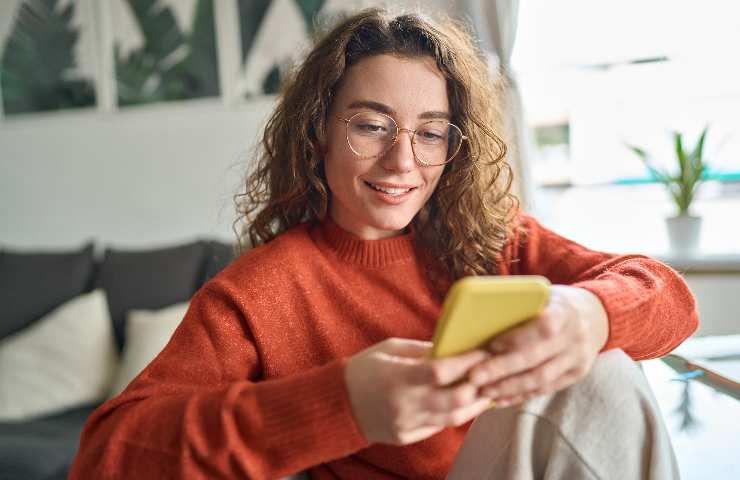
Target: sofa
38,290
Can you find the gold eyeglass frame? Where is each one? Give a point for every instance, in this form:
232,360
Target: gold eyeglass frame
412,131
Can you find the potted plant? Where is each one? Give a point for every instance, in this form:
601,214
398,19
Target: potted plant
683,228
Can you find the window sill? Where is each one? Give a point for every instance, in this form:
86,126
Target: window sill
631,219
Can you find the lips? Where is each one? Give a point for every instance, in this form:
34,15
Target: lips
390,189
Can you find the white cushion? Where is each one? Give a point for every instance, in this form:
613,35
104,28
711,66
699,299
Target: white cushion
63,360
147,333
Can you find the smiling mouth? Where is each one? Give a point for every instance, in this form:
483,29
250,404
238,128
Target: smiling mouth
389,190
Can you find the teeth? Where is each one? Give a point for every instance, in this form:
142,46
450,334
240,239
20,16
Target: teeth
390,191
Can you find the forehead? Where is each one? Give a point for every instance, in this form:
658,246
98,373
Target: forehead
409,86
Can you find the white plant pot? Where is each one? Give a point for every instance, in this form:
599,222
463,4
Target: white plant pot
684,232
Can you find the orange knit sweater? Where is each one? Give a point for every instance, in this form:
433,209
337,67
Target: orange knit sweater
251,384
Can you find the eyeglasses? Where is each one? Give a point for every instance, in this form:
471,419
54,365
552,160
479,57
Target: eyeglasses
373,134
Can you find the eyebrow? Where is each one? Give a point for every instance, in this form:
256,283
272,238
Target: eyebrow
382,108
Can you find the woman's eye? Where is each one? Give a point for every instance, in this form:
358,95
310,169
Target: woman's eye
430,135
370,128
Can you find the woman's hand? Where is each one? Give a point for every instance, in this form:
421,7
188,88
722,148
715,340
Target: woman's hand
547,353
399,395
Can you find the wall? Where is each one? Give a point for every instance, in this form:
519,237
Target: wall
138,178
718,301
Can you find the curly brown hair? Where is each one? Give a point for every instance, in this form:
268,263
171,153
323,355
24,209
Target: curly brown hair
468,219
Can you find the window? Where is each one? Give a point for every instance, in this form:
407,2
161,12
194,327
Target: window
608,74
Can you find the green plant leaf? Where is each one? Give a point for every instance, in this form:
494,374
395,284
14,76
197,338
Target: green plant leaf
659,174
687,175
692,171
251,14
309,9
159,27
656,172
699,164
271,82
39,58
201,66
144,75
684,170
171,65
699,149
640,152
698,154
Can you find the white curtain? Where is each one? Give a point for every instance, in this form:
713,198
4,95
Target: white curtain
495,21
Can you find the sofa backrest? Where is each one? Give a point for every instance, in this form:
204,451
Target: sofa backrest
34,283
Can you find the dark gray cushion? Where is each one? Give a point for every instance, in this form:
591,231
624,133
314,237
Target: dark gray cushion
34,283
218,256
43,448
148,279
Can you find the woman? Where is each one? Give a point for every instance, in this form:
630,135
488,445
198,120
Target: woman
381,181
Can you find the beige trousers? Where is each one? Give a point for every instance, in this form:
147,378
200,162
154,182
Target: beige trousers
606,426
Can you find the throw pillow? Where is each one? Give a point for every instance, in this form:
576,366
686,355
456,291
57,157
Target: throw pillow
148,279
63,360
147,333
33,284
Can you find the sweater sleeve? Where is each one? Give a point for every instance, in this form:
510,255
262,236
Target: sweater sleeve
650,308
201,410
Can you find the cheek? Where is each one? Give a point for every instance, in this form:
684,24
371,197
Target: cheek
340,172
432,177
342,167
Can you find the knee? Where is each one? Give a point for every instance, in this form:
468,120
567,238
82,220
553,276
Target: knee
616,382
615,367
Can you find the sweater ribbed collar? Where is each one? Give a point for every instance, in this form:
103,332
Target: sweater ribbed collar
350,248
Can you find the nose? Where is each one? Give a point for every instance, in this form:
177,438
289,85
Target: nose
400,157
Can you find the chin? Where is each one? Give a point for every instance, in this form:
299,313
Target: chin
392,223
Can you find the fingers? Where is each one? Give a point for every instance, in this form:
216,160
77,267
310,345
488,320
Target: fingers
450,369
404,347
538,380
516,361
442,371
462,414
526,346
546,326
511,401
568,379
412,436
395,388
544,355
441,400
412,359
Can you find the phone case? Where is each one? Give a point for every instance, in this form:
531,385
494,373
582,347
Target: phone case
478,308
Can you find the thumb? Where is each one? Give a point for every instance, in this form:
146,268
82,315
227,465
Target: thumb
404,347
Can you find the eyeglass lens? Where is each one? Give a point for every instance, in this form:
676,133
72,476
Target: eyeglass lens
434,143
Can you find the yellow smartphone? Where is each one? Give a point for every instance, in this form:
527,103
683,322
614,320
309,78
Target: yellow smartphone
476,309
